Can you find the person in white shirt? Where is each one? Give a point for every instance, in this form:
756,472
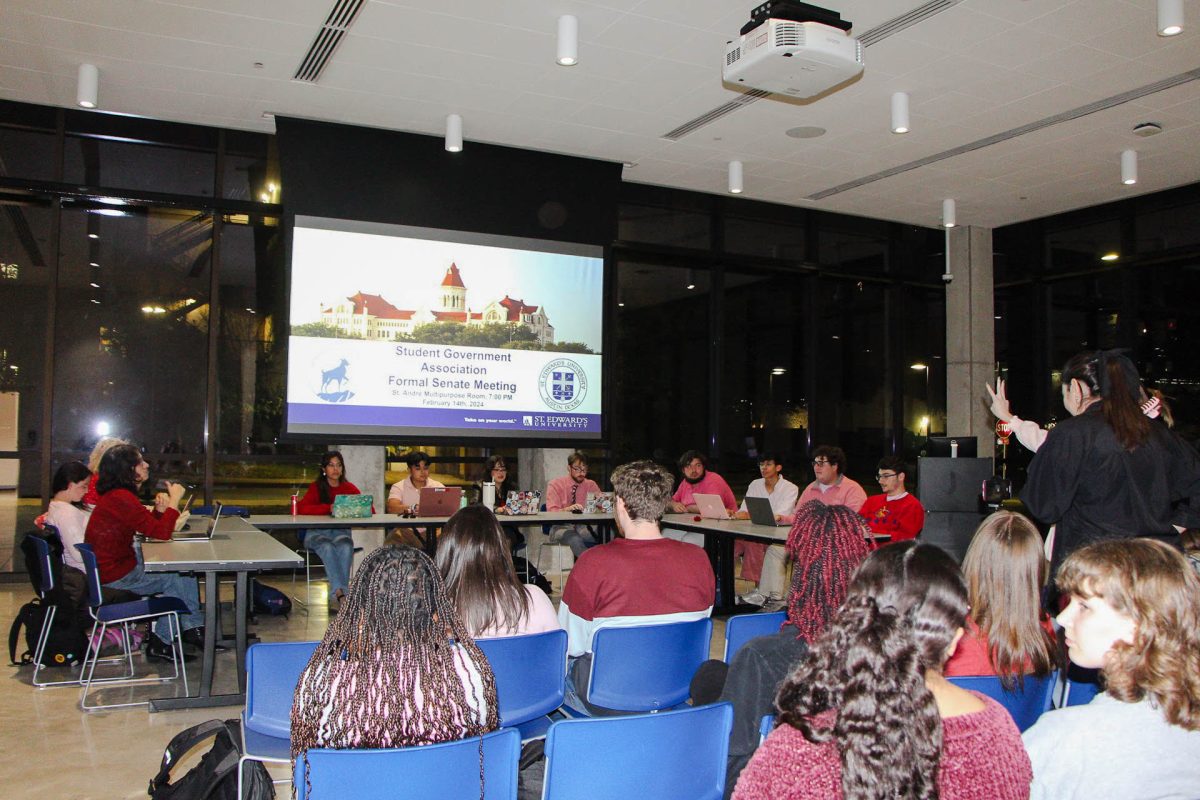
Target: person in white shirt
783,495
405,497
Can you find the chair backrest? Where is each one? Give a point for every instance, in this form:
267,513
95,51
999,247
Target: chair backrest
45,565
672,755
765,726
649,667
530,674
272,671
1026,703
744,627
434,770
88,556
1080,693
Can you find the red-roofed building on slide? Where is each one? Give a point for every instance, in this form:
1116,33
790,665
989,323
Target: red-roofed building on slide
373,317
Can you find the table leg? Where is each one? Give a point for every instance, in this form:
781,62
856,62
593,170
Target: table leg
720,552
212,629
240,612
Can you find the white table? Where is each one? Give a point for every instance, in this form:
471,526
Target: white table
237,547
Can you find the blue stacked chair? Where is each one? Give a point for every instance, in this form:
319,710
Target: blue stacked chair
1026,703
742,628
530,678
272,672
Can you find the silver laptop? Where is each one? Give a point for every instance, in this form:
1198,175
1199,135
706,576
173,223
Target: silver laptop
193,533
711,506
761,512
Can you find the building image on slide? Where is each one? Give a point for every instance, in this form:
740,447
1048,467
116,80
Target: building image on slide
370,316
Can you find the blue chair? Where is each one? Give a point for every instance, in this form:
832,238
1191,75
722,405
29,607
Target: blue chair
272,671
1026,703
50,601
1079,693
449,770
226,511
672,755
649,667
123,614
765,726
530,679
742,628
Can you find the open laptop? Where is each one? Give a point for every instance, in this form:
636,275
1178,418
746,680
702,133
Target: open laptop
761,512
192,532
439,501
711,506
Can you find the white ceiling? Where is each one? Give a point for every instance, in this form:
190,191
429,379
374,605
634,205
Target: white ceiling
974,70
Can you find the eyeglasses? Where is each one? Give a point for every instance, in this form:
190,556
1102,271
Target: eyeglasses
499,469
882,475
579,469
820,462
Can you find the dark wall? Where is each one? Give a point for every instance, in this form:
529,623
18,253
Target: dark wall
349,172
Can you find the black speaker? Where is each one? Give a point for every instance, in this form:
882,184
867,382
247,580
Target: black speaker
951,530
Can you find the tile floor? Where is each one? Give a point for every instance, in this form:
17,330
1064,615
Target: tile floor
53,750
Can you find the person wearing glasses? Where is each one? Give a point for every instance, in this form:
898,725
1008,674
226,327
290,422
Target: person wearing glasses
895,512
569,493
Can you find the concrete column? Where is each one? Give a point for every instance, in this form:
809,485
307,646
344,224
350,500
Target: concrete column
365,465
536,467
970,335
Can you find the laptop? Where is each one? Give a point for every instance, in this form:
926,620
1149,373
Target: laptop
523,503
439,501
711,506
195,534
761,512
599,503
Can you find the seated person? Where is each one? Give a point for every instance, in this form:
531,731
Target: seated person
106,443
396,667
334,546
495,470
110,529
474,560
869,713
697,479
895,512
640,578
405,497
1134,613
1007,633
783,495
568,493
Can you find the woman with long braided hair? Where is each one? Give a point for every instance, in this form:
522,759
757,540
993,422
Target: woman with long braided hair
396,667
868,715
826,544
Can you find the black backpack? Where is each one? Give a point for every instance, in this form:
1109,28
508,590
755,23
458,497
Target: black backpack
67,642
215,777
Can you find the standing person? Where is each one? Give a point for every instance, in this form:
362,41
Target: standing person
640,578
396,668
568,493
783,495
481,581
1108,472
1134,613
334,546
697,479
895,512
110,530
869,714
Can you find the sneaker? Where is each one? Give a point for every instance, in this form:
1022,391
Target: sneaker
158,650
194,637
754,598
335,601
774,604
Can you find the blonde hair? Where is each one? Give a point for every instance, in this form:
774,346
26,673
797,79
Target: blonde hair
1152,583
102,447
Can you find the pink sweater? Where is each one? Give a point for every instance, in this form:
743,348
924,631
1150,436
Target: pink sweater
982,759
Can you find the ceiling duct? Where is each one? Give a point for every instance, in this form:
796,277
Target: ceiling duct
340,18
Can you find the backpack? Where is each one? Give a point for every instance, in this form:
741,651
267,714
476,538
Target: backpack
215,777
65,645
269,600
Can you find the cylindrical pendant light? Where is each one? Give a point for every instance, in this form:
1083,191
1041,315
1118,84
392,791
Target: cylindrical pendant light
1129,167
735,177
949,218
88,86
454,142
568,41
1170,17
900,112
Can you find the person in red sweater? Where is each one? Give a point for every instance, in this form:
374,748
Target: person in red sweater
895,512
117,517
869,713
334,546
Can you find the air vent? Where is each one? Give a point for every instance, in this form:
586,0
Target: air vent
715,114
340,18
733,55
894,26
789,34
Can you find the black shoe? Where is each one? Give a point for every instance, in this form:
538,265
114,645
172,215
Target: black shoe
158,650
195,638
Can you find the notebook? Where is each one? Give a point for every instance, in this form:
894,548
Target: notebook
711,506
761,512
193,533
439,501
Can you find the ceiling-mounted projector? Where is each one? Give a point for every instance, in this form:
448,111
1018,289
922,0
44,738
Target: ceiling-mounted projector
798,50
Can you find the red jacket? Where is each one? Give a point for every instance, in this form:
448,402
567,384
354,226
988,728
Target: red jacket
311,502
117,517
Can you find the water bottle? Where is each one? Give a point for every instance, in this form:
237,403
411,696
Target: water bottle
489,494
954,448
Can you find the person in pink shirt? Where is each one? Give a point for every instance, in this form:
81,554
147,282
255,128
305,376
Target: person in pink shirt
569,493
697,479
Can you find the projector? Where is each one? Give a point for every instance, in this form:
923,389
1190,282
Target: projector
797,59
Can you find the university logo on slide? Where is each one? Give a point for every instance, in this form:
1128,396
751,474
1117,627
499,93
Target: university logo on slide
562,384
334,382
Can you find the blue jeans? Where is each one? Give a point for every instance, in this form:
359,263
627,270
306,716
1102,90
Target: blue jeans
577,537
170,584
336,551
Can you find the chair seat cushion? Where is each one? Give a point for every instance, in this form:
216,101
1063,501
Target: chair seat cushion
115,612
262,747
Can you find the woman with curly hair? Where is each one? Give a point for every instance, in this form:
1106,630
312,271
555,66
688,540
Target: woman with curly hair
1008,634
473,557
869,715
396,667
1134,613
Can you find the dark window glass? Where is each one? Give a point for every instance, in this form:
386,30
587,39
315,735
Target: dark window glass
1085,247
922,330
251,168
91,161
861,250
666,226
1168,229
27,154
755,237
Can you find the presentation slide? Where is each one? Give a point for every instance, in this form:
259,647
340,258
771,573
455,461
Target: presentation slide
399,331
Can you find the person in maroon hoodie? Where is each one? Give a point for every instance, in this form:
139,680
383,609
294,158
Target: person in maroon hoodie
117,517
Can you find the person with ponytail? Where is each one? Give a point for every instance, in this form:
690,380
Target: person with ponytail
869,715
396,668
1109,472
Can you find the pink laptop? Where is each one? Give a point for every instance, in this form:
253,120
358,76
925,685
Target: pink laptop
439,501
